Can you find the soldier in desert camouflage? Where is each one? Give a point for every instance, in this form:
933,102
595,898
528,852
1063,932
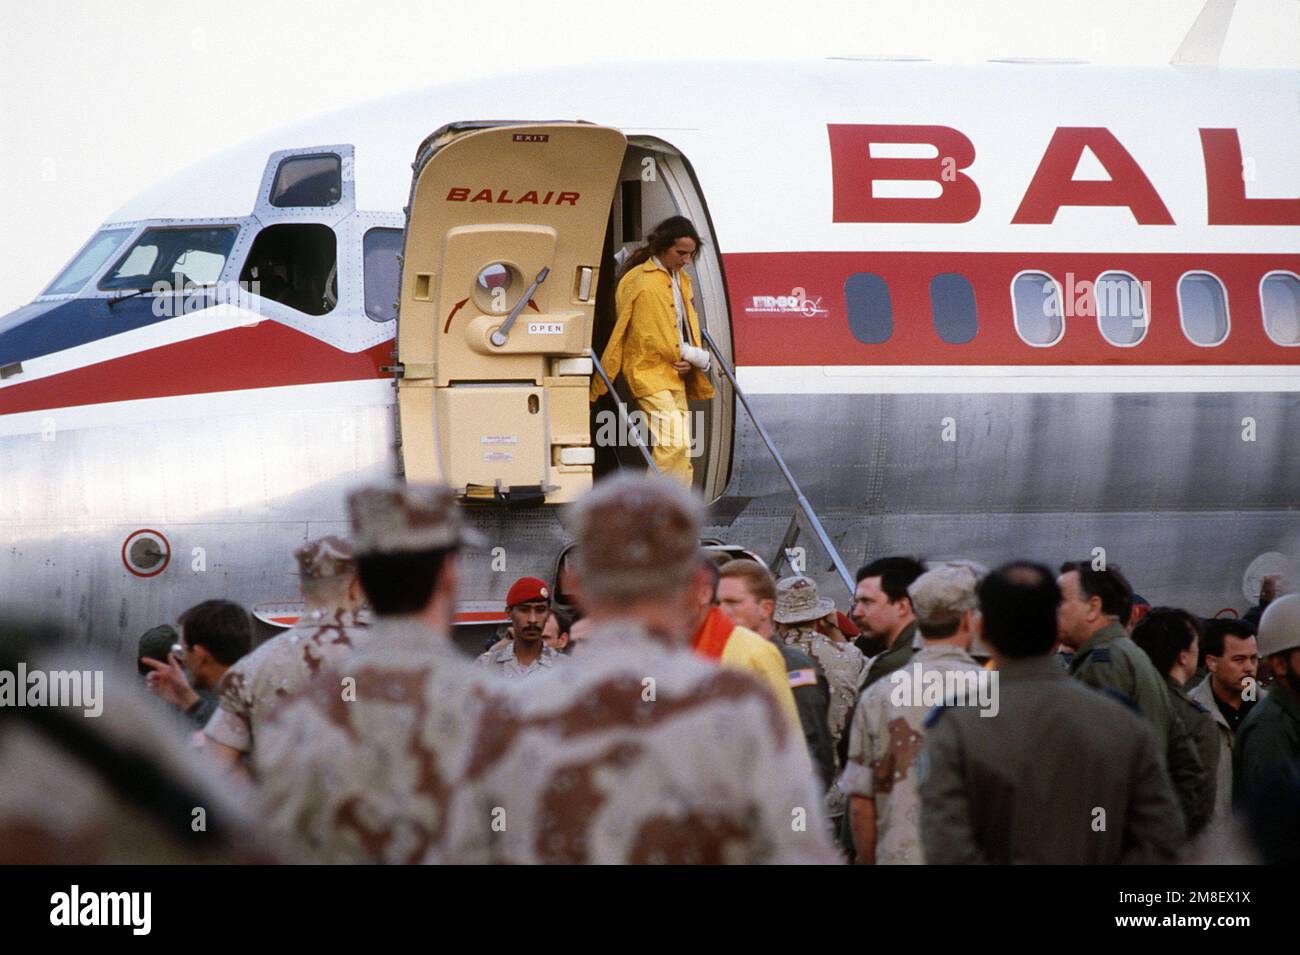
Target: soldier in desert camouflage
638,751
801,616
360,769
283,665
889,727
798,612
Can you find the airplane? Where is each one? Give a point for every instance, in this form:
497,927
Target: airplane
1015,309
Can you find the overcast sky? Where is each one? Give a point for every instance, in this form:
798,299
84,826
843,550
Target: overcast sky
98,101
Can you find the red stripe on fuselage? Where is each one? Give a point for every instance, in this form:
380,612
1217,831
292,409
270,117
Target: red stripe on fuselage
826,339
272,355
267,355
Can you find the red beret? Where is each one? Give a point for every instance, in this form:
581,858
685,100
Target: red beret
525,589
847,626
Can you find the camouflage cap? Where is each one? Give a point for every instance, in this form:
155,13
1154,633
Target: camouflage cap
797,601
942,594
327,556
636,537
393,518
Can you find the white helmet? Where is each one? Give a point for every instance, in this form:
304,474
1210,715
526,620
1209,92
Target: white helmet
1279,628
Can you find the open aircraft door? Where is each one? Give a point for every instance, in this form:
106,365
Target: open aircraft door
504,234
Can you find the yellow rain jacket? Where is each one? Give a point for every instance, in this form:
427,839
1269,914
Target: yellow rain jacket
644,343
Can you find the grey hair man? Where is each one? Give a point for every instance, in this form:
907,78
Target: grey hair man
889,723
639,751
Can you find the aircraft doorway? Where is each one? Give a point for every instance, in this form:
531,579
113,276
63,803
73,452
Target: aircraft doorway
656,182
512,241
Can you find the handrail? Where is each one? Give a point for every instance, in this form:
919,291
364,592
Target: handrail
622,413
780,463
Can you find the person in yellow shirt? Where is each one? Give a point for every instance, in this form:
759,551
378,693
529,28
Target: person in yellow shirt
717,638
656,342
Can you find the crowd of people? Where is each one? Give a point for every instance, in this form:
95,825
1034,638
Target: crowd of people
694,710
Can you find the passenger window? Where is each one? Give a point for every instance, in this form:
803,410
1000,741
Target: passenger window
952,306
1121,308
1036,308
308,181
1203,308
87,263
174,257
1279,295
871,314
294,264
380,248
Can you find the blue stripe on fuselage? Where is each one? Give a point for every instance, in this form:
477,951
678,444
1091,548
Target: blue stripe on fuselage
75,322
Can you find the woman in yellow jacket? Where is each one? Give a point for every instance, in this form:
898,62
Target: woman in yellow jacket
656,342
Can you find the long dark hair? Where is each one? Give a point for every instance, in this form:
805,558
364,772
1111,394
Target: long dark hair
664,236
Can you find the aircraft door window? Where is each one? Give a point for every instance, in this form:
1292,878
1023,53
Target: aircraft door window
871,313
308,181
380,249
1203,308
952,306
1036,309
1279,295
295,264
1121,308
172,256
88,261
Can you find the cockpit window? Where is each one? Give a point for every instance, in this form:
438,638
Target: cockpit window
295,264
176,257
308,181
94,254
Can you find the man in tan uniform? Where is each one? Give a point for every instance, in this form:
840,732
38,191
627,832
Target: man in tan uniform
360,768
889,723
523,652
638,751
281,666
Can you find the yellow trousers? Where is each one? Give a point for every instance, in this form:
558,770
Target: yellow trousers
668,416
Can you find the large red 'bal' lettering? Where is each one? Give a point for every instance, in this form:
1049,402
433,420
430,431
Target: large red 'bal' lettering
1225,187
1053,184
853,170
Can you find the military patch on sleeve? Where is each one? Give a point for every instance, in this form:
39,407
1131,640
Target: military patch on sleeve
1101,655
806,677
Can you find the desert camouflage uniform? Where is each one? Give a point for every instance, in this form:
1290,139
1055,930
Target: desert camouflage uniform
277,669
501,659
884,744
360,768
638,753
843,664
